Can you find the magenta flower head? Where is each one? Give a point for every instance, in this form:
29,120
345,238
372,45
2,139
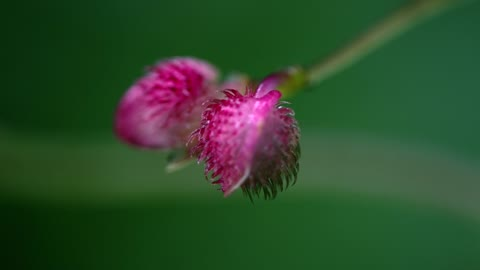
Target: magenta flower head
249,141
162,108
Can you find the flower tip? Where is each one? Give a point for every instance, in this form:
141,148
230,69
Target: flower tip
287,81
228,189
273,95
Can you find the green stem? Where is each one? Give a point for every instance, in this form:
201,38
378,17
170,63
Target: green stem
401,20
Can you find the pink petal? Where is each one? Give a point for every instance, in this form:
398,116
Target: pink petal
161,109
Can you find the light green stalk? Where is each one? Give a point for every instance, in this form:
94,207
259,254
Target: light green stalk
398,22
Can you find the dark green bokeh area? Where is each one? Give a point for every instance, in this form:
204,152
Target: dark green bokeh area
390,175
335,232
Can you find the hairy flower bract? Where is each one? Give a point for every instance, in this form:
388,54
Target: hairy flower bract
163,107
250,142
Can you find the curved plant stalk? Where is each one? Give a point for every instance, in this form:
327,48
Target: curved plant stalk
392,26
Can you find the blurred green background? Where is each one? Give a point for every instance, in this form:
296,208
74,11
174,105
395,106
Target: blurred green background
390,175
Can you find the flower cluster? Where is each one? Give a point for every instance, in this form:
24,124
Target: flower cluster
246,136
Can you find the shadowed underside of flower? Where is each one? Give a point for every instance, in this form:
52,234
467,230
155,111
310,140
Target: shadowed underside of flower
249,142
162,108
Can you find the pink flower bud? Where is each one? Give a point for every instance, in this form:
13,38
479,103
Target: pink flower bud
249,141
162,108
